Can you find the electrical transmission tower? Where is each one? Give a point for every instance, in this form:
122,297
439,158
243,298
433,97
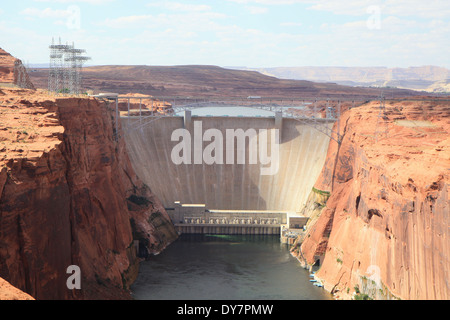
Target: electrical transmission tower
75,60
66,63
20,74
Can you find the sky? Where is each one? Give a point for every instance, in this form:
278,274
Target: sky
244,33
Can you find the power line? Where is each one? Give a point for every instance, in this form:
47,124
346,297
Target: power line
382,120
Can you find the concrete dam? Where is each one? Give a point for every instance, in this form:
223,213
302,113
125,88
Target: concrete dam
259,167
226,186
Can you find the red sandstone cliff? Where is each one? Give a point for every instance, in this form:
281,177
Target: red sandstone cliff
8,292
69,196
13,72
380,209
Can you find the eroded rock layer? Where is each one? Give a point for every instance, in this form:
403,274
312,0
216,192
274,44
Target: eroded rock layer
69,196
383,232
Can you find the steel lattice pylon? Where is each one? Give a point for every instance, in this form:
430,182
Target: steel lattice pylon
66,63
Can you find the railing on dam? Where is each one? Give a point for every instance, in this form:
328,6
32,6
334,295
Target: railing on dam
226,220
195,218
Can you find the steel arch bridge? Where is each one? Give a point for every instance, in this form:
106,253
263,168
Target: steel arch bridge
306,117
287,108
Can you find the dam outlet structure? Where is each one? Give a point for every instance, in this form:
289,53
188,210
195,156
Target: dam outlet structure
232,194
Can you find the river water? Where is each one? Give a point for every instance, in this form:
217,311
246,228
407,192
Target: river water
219,267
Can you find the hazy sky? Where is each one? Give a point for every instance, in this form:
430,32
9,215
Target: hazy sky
252,33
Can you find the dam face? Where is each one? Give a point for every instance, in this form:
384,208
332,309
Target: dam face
302,153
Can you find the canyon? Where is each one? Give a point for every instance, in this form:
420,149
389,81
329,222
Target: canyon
74,190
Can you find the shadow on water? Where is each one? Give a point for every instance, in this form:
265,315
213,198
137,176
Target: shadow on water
230,238
225,267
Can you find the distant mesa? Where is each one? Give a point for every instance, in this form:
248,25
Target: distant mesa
425,78
209,81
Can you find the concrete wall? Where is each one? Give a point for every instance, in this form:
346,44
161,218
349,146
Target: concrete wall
211,229
190,215
228,187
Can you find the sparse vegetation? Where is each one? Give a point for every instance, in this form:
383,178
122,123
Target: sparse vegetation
362,296
319,205
321,192
65,90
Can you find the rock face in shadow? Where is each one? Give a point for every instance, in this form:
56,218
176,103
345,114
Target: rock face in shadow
383,232
69,196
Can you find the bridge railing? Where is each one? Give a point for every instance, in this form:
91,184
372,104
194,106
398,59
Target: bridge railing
247,220
303,110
